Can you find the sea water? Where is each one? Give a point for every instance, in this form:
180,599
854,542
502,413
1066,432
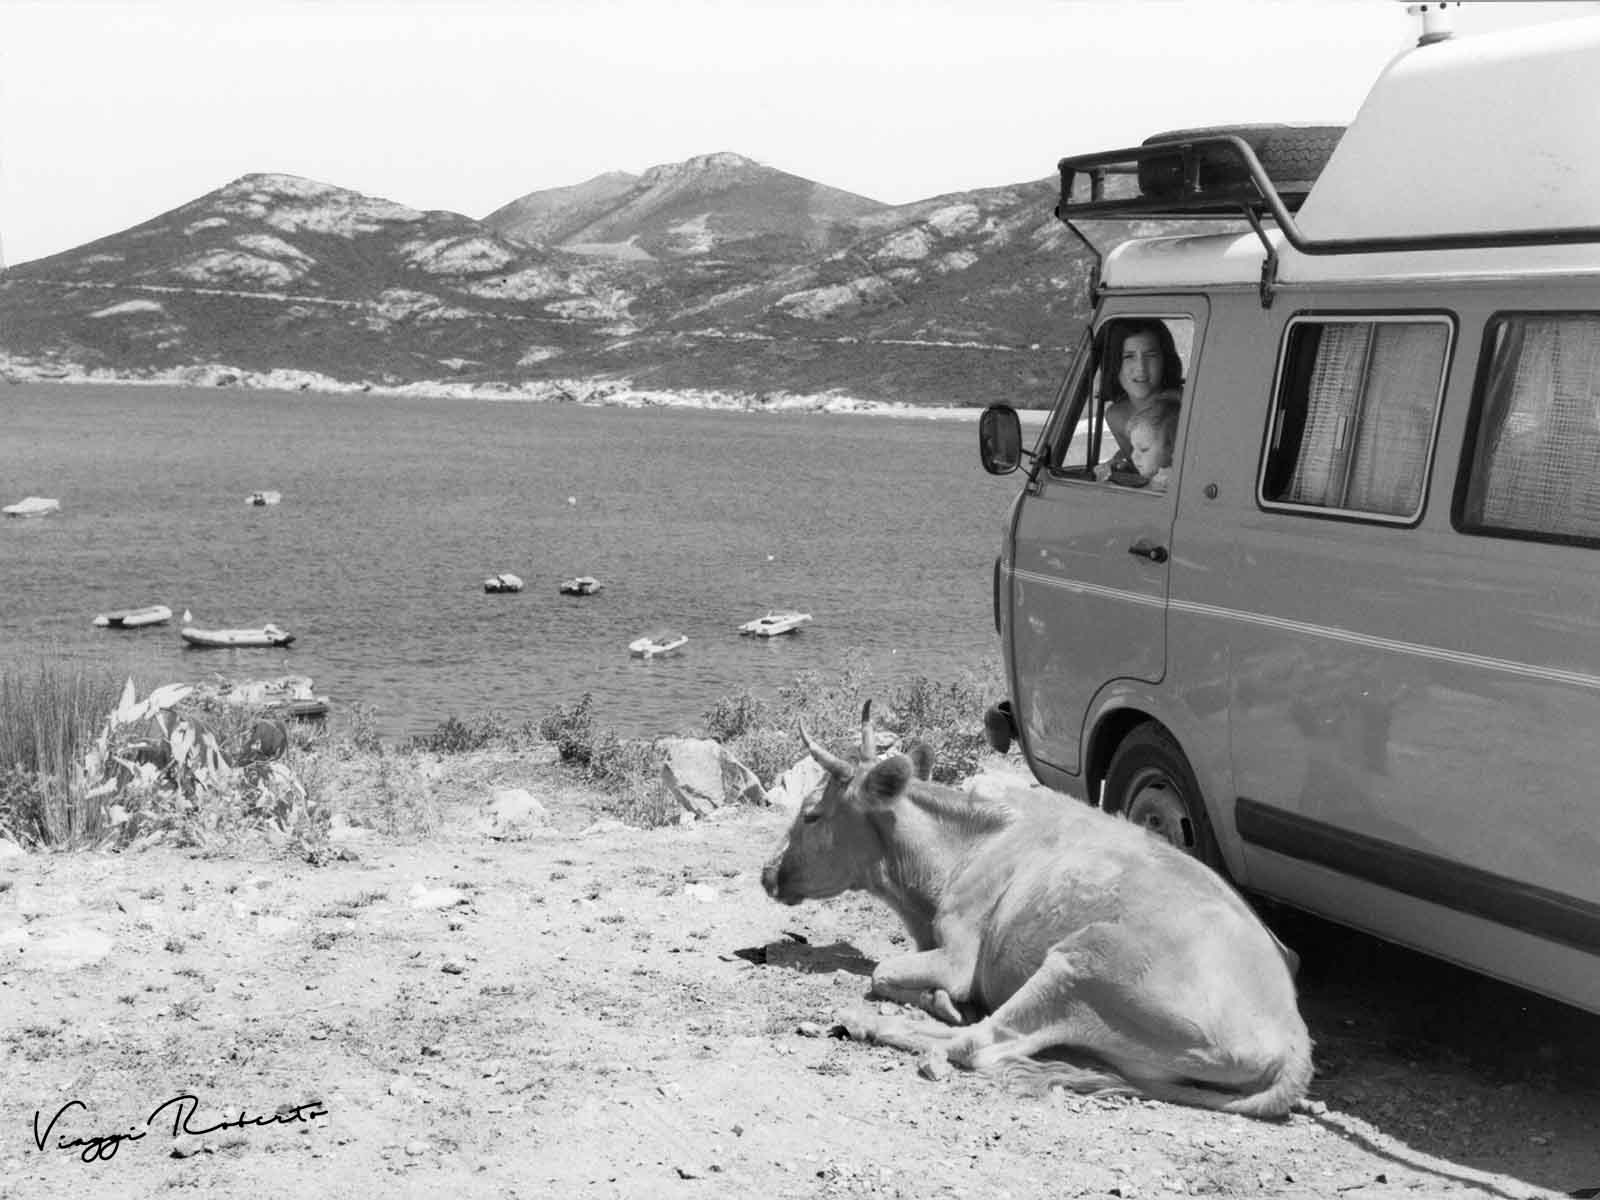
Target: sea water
394,511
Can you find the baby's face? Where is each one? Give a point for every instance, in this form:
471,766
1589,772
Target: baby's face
1150,451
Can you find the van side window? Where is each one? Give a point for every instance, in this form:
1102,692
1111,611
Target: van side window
1137,398
1353,428
1535,460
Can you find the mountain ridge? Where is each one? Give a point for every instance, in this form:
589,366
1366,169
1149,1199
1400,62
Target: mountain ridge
716,273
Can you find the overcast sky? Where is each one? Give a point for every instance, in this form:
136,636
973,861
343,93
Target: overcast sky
113,111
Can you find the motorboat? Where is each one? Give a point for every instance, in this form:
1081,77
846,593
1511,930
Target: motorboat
233,639
503,582
653,645
775,623
307,708
134,618
262,499
581,585
286,696
32,506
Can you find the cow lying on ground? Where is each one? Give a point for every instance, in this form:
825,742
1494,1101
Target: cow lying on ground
1064,929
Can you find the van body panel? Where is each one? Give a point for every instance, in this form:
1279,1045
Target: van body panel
1085,607
1564,972
1085,581
1432,700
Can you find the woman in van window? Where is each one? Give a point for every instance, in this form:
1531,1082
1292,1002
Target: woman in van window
1141,368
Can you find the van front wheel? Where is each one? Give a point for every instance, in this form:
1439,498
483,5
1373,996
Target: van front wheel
1150,783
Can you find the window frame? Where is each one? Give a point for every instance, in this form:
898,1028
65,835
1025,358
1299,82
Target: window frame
1474,431
1070,411
1275,408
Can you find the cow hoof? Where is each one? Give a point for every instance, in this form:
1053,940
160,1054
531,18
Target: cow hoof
964,1050
934,1065
938,1003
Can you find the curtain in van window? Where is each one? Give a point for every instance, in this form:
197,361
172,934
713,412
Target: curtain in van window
1369,416
1396,425
1537,466
1330,405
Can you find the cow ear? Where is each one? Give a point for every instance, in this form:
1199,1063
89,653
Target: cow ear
887,781
921,759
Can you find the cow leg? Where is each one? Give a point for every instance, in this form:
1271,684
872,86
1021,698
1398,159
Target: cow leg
930,980
1092,993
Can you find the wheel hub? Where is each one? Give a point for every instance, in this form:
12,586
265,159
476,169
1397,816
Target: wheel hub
1158,805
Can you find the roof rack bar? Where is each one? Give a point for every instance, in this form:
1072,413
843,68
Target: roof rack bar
1094,267
1269,264
1255,195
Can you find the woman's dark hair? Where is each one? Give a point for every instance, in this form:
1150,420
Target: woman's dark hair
1116,334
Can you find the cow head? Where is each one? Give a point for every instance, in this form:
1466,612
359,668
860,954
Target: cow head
834,844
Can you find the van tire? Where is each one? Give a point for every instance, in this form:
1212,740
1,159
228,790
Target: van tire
1292,156
1150,783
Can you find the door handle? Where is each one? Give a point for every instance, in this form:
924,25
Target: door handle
1144,549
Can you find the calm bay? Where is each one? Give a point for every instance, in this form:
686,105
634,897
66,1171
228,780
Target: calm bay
394,511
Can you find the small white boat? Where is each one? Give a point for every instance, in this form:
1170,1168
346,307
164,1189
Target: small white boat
230,639
503,582
262,499
775,623
653,645
581,585
133,618
32,506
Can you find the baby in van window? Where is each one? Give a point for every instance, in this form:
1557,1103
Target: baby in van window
1152,432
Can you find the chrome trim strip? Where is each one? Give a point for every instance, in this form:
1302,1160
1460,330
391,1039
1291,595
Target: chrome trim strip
1459,658
1083,588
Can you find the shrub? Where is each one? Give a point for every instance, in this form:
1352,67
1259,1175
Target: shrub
571,731
733,716
359,732
455,736
948,717
767,751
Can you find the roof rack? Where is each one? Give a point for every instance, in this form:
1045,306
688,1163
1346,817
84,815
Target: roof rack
1216,176
1219,176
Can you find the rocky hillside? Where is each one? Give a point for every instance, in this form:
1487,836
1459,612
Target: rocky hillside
712,274
717,204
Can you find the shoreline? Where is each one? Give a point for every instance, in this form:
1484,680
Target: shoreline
592,392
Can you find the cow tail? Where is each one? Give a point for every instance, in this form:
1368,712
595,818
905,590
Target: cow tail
1286,1087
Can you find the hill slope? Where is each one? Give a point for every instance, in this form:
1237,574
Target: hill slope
715,273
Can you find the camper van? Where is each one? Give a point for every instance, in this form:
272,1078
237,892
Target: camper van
1336,629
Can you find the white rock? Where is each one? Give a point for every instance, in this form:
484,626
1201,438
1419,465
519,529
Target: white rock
64,949
441,897
511,812
795,784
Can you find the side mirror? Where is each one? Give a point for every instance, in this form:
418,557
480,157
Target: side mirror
1000,439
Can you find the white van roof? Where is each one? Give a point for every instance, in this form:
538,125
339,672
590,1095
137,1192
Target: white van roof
1224,259
1498,133
1489,134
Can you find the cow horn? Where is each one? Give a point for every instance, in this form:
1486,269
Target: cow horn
869,740
831,762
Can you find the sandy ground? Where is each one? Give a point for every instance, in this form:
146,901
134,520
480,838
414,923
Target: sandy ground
598,1010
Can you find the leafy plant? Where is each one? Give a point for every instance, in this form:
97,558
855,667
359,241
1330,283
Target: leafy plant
733,716
455,736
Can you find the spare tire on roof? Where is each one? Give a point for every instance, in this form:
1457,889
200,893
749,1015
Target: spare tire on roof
1292,156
